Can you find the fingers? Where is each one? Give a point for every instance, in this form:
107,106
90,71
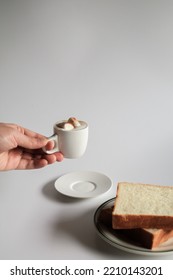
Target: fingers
34,161
20,136
50,145
59,156
31,133
32,164
29,142
31,159
22,148
24,130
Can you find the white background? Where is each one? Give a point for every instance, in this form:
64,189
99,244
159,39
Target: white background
109,63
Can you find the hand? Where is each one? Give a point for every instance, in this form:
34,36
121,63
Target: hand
20,148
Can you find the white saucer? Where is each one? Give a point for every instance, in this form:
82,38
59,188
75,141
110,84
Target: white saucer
83,184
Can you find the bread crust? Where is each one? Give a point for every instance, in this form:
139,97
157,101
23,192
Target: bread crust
148,238
141,221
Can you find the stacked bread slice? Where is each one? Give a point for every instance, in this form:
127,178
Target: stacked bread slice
143,213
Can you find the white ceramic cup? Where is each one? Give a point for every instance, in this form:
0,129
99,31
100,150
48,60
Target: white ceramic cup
71,143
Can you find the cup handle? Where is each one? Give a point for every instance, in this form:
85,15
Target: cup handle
56,147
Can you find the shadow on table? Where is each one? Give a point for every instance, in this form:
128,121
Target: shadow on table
82,229
80,226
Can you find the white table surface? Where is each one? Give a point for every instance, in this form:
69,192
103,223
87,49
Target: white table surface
109,63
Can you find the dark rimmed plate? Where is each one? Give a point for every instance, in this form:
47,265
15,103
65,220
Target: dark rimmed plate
118,241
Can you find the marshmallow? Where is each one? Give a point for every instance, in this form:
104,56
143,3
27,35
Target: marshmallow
68,126
74,122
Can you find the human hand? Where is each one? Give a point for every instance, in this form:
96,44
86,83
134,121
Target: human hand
20,148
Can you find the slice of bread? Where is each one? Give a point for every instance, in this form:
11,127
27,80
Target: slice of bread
147,238
143,206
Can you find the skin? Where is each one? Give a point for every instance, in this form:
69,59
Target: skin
21,148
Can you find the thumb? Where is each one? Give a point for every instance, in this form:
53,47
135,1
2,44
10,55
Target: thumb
29,142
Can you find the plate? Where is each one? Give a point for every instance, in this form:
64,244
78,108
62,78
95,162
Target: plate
84,184
118,241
